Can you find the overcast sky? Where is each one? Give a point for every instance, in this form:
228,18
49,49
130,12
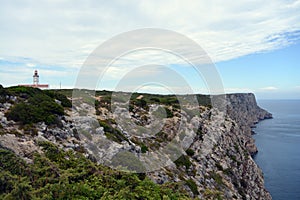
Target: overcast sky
254,45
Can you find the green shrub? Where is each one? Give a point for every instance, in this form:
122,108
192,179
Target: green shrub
140,103
39,107
204,100
213,194
51,119
51,151
21,190
155,99
169,100
3,93
200,134
192,185
183,161
169,113
65,102
217,177
25,113
112,133
10,162
190,152
6,181
144,148
23,92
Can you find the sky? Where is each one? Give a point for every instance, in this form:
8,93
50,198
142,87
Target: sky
253,46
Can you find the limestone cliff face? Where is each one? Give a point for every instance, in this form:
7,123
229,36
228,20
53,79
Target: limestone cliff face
217,164
222,166
243,109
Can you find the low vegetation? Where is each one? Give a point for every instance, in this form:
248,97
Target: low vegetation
34,105
110,132
67,175
183,161
192,185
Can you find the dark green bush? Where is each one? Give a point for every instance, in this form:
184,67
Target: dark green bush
204,100
183,161
190,152
51,119
39,107
144,148
23,92
140,103
65,102
154,99
169,113
3,94
192,185
111,132
25,113
10,162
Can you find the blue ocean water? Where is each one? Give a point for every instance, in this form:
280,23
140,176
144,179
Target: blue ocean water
278,143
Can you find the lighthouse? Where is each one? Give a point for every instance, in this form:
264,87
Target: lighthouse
36,78
36,82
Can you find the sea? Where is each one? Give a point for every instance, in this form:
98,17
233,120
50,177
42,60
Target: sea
278,143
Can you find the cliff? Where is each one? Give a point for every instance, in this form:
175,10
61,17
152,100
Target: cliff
243,109
217,164
221,163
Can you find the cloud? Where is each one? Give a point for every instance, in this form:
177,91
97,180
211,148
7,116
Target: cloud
58,36
64,33
269,88
31,65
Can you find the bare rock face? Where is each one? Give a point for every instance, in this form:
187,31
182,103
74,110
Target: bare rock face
221,166
24,147
243,109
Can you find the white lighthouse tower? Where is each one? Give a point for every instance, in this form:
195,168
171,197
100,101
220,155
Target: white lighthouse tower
36,82
36,78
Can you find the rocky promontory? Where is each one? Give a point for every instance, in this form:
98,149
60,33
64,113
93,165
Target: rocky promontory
217,164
